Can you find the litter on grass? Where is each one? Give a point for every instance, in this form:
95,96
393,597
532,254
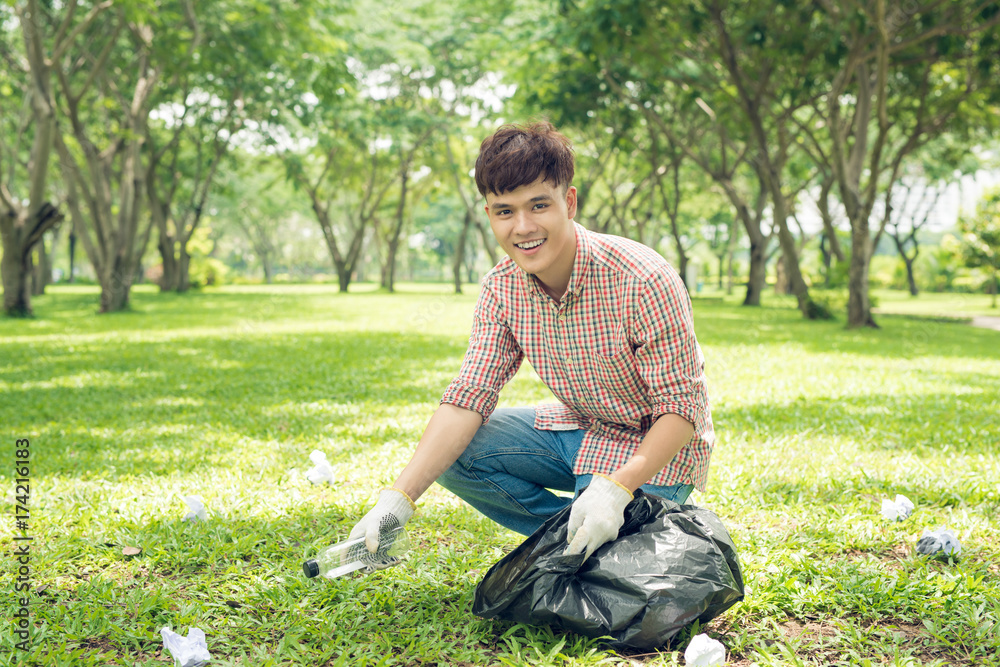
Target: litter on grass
939,542
190,651
898,509
703,651
321,471
198,511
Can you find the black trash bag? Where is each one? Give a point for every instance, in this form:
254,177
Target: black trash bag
670,565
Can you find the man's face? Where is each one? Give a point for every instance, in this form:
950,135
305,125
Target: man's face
534,226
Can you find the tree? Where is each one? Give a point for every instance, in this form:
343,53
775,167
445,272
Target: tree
181,173
48,39
466,53
926,174
899,76
409,124
460,161
981,239
673,101
255,202
707,70
770,92
229,82
106,101
346,177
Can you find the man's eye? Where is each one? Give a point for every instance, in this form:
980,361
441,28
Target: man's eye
506,211
540,205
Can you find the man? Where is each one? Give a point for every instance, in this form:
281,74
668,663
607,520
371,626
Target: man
607,325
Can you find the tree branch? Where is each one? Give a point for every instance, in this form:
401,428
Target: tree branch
62,40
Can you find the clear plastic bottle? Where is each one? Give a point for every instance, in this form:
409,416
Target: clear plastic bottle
351,555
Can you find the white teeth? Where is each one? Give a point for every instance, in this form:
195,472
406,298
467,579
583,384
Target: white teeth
530,244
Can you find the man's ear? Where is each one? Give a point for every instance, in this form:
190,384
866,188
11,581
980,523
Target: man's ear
571,202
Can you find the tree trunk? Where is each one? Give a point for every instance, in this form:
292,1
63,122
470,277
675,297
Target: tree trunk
682,258
389,270
463,236
489,242
829,231
168,280
682,269
343,276
72,256
827,257
780,277
996,288
389,275
909,276
789,250
730,270
116,286
757,279
907,260
265,264
42,275
183,269
17,283
734,230
19,236
859,312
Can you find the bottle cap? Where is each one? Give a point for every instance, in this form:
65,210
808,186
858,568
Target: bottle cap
311,568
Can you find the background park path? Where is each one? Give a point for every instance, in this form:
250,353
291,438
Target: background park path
986,322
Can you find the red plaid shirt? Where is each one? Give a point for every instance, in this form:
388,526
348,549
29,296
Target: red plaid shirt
618,351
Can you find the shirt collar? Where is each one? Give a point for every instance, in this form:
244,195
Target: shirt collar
581,263
581,266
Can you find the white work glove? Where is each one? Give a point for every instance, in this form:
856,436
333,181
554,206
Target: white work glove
393,509
596,516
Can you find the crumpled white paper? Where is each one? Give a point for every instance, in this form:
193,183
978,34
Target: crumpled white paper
940,541
321,470
703,651
897,510
198,511
190,651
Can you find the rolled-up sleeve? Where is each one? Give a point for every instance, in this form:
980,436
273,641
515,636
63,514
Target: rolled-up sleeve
491,360
667,352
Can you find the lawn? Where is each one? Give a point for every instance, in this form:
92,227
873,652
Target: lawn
931,304
225,392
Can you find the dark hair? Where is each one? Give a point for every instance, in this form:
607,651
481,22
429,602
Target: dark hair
517,155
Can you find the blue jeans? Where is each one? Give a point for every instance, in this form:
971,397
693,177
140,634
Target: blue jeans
508,468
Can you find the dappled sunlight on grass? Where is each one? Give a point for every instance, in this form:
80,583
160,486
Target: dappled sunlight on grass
224,394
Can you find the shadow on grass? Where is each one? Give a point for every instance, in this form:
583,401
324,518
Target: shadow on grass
899,337
966,421
172,402
239,579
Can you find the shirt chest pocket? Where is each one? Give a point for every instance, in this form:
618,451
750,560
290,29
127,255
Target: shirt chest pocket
613,377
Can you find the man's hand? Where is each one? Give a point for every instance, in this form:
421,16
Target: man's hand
596,516
393,509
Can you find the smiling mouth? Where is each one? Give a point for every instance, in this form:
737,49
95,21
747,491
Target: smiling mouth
528,245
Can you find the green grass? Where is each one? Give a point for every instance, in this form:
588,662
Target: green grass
223,393
930,304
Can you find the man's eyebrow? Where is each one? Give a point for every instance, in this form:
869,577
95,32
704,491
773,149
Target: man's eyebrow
530,201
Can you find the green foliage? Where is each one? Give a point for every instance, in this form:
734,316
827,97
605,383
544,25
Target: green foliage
981,236
831,304
205,270
223,392
981,233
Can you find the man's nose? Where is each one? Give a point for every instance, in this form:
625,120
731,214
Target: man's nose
523,224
